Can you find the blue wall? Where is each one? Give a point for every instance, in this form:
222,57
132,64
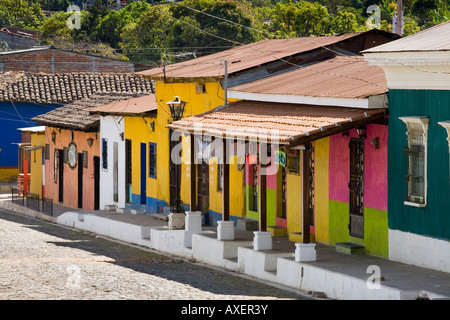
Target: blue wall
13,116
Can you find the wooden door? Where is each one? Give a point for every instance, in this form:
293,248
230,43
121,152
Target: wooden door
356,188
203,186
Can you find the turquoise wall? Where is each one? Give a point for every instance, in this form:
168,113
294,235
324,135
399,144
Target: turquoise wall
434,219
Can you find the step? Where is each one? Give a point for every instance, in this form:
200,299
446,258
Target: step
123,210
350,248
110,207
277,231
161,216
137,211
296,237
247,225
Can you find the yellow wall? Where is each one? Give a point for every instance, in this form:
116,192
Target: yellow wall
137,131
321,190
37,139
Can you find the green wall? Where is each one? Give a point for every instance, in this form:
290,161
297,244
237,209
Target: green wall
375,228
434,219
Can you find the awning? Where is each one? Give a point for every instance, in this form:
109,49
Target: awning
267,122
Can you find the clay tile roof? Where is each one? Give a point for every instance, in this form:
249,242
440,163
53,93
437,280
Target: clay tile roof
340,77
128,106
244,57
273,122
75,115
68,87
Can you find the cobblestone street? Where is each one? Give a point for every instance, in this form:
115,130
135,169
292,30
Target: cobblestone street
41,261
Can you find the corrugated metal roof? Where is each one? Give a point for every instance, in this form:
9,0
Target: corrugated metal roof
129,106
436,38
244,57
340,77
271,122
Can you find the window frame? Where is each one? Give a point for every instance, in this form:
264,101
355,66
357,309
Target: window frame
423,122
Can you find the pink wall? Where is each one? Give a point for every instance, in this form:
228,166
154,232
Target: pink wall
71,174
375,168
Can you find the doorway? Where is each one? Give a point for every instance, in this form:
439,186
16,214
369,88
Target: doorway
96,183
143,173
61,175
80,180
203,186
356,188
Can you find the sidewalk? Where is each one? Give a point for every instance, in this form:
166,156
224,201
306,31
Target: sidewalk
335,274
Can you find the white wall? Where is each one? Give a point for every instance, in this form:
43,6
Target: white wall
110,128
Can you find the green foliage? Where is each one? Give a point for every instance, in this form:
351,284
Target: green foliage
170,32
21,14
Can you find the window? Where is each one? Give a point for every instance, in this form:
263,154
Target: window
152,160
219,177
104,154
415,157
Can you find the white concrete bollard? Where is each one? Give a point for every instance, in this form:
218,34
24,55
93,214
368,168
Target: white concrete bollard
225,230
305,252
262,240
176,221
193,224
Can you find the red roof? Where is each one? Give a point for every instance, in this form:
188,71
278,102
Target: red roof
340,77
244,57
129,106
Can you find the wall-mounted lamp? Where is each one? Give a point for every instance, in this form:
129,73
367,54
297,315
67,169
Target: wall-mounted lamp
152,125
122,135
176,107
375,142
362,132
54,137
90,141
345,134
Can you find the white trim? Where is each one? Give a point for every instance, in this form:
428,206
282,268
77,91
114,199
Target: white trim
414,70
446,125
364,103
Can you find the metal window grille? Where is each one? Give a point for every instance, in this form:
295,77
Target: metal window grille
414,155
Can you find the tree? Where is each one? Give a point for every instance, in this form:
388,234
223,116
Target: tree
211,23
21,14
145,39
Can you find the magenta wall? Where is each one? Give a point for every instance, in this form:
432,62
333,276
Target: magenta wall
375,170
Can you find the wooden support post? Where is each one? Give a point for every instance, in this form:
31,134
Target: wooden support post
193,165
305,179
226,183
262,193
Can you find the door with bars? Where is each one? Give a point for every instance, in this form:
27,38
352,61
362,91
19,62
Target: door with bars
356,188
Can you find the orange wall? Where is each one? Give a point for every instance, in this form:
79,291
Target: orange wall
63,138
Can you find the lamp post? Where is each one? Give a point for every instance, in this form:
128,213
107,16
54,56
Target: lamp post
177,215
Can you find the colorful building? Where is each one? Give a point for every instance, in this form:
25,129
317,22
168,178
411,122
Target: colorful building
325,125
25,95
73,152
119,152
201,83
417,69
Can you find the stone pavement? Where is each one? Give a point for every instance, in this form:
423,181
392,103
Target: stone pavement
354,272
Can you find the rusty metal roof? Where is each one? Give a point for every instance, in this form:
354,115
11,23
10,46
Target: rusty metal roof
244,57
276,122
436,38
340,77
128,106
75,115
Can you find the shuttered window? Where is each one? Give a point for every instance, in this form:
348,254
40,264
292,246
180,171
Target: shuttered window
152,160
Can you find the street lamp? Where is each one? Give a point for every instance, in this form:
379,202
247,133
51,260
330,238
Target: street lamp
176,108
